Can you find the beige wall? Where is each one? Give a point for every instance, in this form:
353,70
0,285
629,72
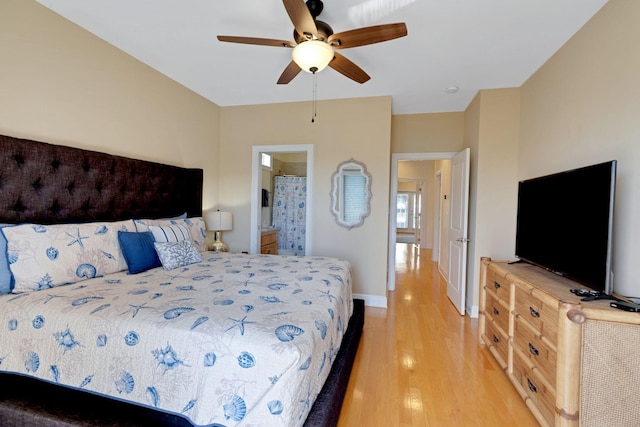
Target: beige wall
427,133
344,129
583,107
61,84
491,131
472,126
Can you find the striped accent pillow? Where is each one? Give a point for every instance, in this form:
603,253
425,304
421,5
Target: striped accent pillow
169,233
195,226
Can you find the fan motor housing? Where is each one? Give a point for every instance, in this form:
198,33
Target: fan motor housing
324,31
315,7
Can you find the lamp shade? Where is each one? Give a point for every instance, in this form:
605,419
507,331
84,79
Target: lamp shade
312,56
219,221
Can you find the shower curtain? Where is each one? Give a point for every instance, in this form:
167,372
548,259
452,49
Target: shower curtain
289,214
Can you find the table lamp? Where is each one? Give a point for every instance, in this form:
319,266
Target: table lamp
218,222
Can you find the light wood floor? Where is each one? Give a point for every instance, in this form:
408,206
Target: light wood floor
419,362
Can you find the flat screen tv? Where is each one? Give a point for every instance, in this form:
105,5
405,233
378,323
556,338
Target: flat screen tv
565,223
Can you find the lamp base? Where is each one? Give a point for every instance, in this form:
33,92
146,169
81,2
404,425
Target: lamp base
218,245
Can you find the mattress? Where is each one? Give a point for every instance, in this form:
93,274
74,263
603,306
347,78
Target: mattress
234,340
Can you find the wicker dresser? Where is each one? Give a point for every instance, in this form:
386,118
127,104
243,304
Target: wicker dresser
574,363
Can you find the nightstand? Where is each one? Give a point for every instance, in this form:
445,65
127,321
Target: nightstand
269,242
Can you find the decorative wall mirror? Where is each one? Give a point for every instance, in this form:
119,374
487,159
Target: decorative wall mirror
351,193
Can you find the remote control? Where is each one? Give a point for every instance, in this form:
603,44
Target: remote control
584,292
626,306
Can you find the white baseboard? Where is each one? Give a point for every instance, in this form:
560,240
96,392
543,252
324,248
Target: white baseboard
442,272
372,300
473,311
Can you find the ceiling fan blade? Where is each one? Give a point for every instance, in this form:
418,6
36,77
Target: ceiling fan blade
348,68
257,41
289,73
367,35
301,17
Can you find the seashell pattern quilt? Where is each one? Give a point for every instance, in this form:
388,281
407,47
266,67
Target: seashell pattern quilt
234,340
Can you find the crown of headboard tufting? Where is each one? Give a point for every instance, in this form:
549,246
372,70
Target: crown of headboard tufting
47,184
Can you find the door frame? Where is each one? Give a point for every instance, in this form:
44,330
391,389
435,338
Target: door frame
395,159
437,211
256,193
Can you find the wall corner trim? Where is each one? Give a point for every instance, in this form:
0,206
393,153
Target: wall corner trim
473,311
372,300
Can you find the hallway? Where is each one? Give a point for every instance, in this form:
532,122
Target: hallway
419,362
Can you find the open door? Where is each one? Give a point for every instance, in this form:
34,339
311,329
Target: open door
458,230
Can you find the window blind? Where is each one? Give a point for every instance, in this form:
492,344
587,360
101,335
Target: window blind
355,197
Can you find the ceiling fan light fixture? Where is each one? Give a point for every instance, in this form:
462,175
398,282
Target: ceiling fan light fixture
312,56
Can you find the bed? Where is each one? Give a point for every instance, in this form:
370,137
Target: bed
218,339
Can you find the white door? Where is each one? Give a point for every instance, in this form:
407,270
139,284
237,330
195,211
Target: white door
458,230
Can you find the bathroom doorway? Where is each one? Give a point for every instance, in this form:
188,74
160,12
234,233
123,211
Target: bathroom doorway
285,209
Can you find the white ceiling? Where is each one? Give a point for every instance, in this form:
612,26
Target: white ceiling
472,44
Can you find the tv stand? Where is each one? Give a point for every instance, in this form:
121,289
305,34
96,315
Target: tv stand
574,362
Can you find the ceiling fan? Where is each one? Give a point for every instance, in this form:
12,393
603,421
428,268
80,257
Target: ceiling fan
315,43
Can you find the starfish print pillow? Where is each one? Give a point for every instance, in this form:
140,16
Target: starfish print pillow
44,256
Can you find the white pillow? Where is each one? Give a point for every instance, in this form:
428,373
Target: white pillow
195,225
44,256
177,254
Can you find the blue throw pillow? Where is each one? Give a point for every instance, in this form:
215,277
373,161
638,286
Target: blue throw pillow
138,251
6,278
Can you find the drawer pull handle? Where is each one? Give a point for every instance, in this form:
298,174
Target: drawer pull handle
534,312
496,285
496,339
496,312
533,350
532,386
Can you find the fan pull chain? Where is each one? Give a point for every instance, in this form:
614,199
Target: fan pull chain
315,97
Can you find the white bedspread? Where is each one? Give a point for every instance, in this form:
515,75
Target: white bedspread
234,340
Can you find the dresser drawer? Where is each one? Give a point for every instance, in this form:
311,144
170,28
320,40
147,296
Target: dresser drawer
498,284
497,312
542,397
542,315
497,339
542,355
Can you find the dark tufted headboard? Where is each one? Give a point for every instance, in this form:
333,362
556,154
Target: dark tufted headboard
46,184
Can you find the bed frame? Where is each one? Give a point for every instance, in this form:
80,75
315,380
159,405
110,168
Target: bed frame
49,184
